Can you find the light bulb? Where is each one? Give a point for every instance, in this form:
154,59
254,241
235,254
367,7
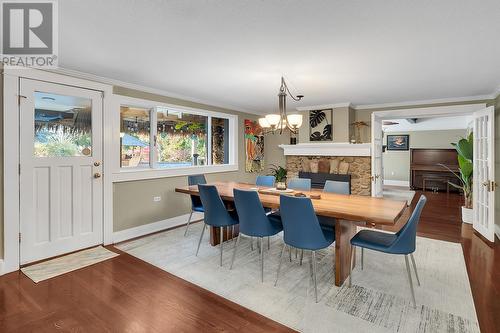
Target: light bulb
273,119
295,120
264,123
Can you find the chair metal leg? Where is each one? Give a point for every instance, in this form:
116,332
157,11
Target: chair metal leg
290,253
251,243
314,275
279,265
221,243
234,251
415,268
362,257
268,243
187,225
262,259
199,242
301,256
296,251
410,282
350,266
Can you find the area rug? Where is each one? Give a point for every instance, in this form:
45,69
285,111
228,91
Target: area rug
68,263
378,301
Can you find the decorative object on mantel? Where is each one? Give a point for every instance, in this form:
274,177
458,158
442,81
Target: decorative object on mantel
313,166
357,125
398,142
279,174
273,122
320,124
254,147
464,148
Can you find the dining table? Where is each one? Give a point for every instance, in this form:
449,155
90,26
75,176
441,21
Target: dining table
349,212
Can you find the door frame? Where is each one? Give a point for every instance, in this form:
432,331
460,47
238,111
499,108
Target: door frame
11,127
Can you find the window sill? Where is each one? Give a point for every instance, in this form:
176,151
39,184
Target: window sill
143,174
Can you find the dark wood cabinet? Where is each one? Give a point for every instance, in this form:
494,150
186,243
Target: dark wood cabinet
425,168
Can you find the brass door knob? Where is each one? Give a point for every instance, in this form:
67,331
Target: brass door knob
97,163
97,175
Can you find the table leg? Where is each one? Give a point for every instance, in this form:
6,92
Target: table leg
228,233
344,231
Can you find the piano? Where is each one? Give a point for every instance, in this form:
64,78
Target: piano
424,169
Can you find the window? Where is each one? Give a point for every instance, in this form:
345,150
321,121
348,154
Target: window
135,132
63,126
161,137
181,138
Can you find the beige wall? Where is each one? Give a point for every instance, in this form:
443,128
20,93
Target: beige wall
397,163
1,161
133,201
341,119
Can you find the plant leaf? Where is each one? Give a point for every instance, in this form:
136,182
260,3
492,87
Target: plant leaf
327,132
316,136
316,117
465,167
464,149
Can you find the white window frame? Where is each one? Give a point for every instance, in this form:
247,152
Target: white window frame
129,174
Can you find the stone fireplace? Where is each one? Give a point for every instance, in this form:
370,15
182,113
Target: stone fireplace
351,159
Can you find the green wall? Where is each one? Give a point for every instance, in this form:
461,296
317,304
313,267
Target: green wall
397,163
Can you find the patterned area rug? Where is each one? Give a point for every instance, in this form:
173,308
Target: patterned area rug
379,300
71,262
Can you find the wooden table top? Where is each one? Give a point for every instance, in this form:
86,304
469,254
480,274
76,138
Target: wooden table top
348,207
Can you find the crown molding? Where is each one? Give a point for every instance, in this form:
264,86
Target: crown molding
324,106
156,91
466,99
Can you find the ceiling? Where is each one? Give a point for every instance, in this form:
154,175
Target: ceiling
232,53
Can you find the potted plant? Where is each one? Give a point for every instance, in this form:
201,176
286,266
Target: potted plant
464,148
279,174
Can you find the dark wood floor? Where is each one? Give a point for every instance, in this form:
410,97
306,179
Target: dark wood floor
125,294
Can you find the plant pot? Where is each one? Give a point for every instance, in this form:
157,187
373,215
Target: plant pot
467,215
281,185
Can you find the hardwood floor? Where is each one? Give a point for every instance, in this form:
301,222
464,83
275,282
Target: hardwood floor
125,294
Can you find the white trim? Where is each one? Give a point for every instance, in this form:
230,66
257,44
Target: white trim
327,149
1,268
403,183
407,104
429,112
156,91
123,235
11,124
148,173
324,106
497,230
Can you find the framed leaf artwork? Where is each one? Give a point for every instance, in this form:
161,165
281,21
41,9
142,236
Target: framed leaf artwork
320,124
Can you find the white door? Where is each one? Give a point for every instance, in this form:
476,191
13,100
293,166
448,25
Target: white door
376,152
484,173
60,166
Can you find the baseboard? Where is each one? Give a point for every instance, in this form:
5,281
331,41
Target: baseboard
404,183
497,230
1,267
123,235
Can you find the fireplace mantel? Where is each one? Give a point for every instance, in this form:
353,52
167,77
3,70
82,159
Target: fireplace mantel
327,149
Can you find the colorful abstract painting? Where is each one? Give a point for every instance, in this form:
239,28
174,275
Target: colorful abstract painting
254,147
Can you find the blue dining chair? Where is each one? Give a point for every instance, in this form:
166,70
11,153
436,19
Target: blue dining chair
333,186
301,184
196,205
216,214
265,181
302,230
254,222
403,243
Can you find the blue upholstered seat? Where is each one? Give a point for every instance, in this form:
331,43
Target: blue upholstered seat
265,181
253,221
333,186
216,214
302,230
196,205
402,243
300,184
